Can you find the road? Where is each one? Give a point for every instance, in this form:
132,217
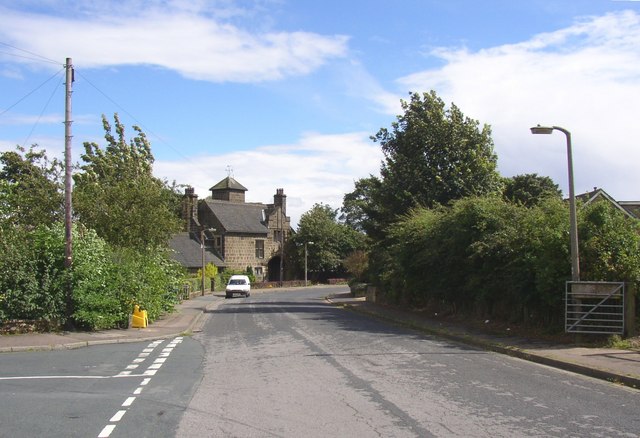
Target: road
115,390
287,364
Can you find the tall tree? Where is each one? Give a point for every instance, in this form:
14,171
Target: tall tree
332,240
434,155
32,187
529,189
358,209
117,195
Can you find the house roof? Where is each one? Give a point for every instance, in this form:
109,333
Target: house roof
633,207
630,208
229,184
237,217
186,250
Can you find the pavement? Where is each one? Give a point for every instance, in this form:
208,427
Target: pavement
618,366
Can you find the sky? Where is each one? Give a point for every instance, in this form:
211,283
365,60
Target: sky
287,93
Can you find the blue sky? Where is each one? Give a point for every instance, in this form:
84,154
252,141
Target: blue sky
287,92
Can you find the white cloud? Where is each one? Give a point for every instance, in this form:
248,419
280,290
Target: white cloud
28,119
585,78
184,39
319,168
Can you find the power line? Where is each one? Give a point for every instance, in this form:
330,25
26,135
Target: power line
42,112
32,91
146,130
40,58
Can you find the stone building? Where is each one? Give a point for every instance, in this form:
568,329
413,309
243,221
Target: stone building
237,234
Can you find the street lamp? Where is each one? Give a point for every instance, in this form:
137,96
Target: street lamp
575,257
305,261
202,252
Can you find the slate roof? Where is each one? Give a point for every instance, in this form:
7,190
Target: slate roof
229,183
185,249
630,208
246,218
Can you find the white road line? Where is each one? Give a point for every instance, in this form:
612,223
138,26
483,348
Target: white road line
54,377
107,431
128,402
118,416
151,371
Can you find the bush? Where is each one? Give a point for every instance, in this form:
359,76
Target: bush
30,286
105,282
491,258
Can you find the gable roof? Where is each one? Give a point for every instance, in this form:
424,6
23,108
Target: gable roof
237,217
629,208
186,250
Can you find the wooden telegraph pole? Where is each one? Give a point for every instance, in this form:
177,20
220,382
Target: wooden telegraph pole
68,254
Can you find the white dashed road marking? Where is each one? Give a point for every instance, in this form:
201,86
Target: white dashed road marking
150,371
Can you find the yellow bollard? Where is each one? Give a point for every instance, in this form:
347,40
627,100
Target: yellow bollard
139,319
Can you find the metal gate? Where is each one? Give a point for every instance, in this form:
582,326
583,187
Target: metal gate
594,307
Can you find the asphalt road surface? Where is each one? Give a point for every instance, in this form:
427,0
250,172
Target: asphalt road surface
287,364
116,390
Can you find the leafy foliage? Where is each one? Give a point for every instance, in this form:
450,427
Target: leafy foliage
357,264
28,286
31,192
497,259
328,241
434,155
359,209
117,195
529,189
610,244
105,282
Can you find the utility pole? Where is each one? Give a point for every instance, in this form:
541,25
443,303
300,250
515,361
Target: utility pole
68,254
281,246
67,166
203,264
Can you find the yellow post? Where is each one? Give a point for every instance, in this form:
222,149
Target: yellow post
140,318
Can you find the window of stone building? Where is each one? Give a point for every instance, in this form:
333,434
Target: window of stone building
258,271
259,249
277,235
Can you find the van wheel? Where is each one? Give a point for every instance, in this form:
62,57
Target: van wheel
228,295
247,294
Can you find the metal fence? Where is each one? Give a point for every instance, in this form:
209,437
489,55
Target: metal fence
594,307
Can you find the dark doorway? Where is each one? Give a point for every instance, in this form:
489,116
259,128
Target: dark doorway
274,269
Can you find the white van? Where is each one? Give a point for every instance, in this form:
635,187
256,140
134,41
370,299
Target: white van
238,284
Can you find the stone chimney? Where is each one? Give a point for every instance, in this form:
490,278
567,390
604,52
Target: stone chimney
189,208
280,200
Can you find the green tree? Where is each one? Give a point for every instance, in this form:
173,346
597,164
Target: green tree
434,155
117,195
332,241
529,189
359,209
610,244
357,264
31,192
